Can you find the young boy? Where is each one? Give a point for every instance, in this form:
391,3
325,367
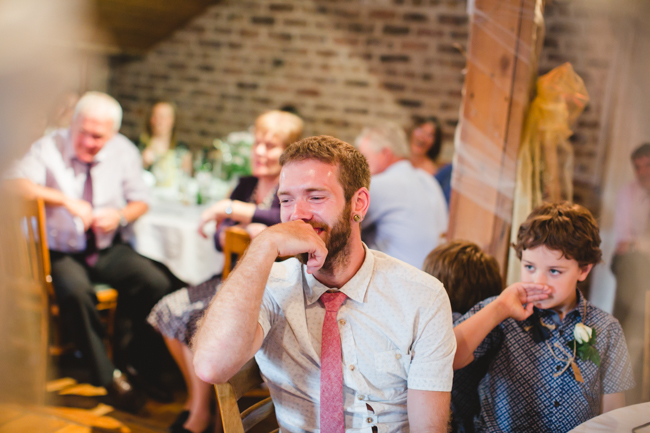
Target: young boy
469,276
538,379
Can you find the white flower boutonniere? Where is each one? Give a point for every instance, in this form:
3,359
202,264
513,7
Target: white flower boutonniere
582,333
584,342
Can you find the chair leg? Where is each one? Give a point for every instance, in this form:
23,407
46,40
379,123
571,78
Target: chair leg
110,332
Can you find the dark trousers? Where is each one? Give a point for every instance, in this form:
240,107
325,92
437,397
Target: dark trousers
139,282
632,272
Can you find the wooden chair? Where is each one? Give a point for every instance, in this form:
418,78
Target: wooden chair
39,258
229,393
645,396
236,242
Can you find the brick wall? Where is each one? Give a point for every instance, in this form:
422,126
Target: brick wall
345,64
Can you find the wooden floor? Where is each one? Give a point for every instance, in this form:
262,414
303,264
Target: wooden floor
74,407
83,414
155,417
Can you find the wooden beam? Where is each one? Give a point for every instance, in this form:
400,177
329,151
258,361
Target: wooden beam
501,68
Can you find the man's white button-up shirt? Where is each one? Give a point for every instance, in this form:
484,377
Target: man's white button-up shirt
396,333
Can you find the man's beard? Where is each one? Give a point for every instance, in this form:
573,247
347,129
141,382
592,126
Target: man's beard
336,241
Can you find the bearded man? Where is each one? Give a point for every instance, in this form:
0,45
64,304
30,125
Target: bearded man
347,338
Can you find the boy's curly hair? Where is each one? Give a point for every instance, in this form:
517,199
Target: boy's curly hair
468,274
562,226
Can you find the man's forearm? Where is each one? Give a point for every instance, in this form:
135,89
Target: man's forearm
134,210
32,191
226,339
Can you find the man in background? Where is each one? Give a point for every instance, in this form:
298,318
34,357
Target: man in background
89,177
408,213
631,261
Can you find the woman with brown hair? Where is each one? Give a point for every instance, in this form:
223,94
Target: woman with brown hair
426,143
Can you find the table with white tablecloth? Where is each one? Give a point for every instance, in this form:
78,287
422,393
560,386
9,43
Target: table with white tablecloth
618,421
168,234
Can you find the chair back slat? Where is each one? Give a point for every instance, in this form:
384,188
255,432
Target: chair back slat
247,378
35,237
257,413
229,409
235,244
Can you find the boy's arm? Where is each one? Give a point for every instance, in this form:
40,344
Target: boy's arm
230,333
612,401
514,302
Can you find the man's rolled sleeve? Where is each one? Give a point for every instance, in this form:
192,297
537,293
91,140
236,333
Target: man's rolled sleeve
134,186
267,312
30,167
434,349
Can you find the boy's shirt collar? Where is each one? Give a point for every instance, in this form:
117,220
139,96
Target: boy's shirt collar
541,332
555,316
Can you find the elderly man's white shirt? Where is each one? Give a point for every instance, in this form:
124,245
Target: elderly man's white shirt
396,333
117,180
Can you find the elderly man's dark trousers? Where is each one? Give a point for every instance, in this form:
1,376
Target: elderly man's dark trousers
140,285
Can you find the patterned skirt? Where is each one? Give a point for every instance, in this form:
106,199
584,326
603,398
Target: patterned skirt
177,314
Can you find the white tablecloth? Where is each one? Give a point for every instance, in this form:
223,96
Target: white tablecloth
168,234
619,420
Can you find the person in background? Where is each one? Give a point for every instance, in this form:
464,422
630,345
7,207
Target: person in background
631,261
343,335
90,178
469,276
253,205
426,143
555,360
407,215
162,153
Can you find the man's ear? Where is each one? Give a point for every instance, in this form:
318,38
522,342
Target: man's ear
360,202
584,271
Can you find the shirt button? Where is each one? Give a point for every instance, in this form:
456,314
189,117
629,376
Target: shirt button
361,397
556,404
352,367
561,333
369,420
342,322
398,356
558,367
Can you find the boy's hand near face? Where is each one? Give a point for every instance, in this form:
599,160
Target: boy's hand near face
515,302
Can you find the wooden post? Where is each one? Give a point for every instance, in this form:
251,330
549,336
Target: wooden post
501,69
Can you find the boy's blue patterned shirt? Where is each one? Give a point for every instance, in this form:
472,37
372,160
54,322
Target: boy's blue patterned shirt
519,392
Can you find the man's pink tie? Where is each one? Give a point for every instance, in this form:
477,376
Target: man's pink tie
332,419
92,252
